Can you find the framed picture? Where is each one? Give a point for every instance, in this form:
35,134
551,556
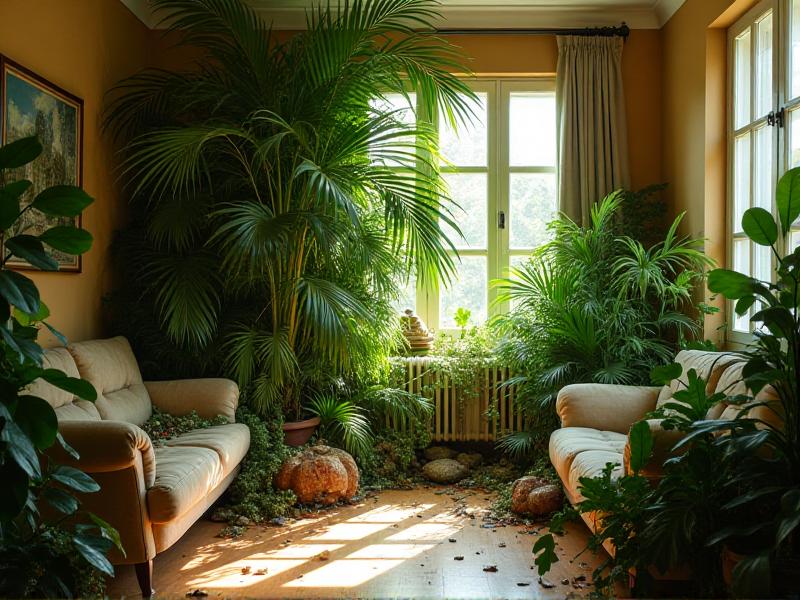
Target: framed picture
31,105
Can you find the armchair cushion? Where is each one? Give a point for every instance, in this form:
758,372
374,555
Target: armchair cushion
110,366
230,442
604,407
570,443
208,397
65,404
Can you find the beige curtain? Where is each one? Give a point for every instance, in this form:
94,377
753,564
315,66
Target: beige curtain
592,135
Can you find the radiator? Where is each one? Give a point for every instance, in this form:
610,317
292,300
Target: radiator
460,417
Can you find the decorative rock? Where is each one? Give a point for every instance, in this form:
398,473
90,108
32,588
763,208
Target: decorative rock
535,496
470,460
437,452
319,474
445,470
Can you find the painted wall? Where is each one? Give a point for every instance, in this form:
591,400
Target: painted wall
83,46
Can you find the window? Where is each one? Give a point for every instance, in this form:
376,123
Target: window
763,129
501,171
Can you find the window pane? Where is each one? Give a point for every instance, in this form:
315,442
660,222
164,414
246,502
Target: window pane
762,168
532,129
404,111
762,262
794,138
468,291
741,96
794,240
469,191
466,147
407,298
533,206
741,263
794,53
764,66
741,179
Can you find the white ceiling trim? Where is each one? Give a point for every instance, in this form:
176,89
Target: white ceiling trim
484,15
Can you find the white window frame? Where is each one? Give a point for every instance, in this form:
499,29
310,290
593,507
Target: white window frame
498,252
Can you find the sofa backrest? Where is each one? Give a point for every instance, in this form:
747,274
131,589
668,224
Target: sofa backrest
67,406
110,366
731,384
708,365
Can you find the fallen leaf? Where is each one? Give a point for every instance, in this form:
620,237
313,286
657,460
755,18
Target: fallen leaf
260,572
501,545
197,594
458,558
546,584
523,583
245,570
452,540
324,555
490,569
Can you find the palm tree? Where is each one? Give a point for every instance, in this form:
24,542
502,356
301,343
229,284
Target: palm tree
281,205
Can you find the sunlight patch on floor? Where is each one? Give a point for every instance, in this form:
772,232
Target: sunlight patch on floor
390,513
231,575
345,573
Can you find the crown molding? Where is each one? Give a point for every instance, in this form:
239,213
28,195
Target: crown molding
478,14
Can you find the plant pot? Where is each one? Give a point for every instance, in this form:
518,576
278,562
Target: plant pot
730,559
298,433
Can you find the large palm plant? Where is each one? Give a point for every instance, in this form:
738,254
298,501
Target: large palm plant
281,205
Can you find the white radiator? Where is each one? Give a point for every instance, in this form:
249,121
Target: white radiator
483,416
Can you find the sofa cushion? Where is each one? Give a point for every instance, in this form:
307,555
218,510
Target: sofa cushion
569,443
591,464
110,366
184,475
708,365
66,405
230,442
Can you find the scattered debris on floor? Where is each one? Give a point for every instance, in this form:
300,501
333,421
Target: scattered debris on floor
197,594
546,584
490,569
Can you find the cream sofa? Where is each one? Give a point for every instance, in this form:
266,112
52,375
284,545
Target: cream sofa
151,493
596,419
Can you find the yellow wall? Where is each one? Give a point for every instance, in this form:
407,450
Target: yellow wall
84,46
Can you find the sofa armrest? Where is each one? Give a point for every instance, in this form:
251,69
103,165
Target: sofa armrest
664,441
106,446
603,406
208,397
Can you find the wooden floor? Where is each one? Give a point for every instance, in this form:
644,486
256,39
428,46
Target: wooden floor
396,544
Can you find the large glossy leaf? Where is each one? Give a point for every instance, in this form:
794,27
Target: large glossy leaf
27,320
62,201
731,284
29,248
759,226
19,445
75,479
15,490
752,577
61,500
545,549
66,238
108,532
19,291
664,374
9,202
38,420
94,548
19,153
641,443
80,387
787,198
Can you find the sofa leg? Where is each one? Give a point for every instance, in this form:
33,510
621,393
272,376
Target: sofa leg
144,573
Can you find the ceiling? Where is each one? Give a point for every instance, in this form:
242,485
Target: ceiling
487,14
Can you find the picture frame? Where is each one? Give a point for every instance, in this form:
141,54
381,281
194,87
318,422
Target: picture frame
32,105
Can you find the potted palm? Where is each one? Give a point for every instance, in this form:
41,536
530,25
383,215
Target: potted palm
301,203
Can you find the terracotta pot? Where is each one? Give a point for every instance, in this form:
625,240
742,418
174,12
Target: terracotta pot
298,433
729,561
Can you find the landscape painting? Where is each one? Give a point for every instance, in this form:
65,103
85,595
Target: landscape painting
33,106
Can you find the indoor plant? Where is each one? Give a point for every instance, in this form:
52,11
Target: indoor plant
299,204
50,553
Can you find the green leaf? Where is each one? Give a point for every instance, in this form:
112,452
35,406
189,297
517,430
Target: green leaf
752,577
15,490
67,448
19,445
38,420
545,546
61,500
641,442
67,238
19,291
27,320
19,153
787,198
56,333
778,319
29,248
760,227
9,202
108,532
664,374
62,201
75,479
93,548
743,304
80,387
731,284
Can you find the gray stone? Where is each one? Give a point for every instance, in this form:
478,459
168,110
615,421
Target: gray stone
445,470
438,452
470,460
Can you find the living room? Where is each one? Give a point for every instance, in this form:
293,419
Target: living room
400,298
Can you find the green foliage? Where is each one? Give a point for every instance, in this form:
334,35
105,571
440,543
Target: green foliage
276,222
161,426
462,318
763,509
390,461
56,555
594,306
341,423
252,494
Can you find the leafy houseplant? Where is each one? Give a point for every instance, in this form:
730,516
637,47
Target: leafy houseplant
765,450
594,306
40,555
277,206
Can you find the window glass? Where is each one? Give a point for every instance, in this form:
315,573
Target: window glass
741,96
469,191
763,67
468,290
532,128
468,145
533,205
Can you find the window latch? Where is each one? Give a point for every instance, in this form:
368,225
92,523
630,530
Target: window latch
501,219
776,118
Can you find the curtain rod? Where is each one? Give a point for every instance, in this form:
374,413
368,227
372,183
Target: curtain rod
622,31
